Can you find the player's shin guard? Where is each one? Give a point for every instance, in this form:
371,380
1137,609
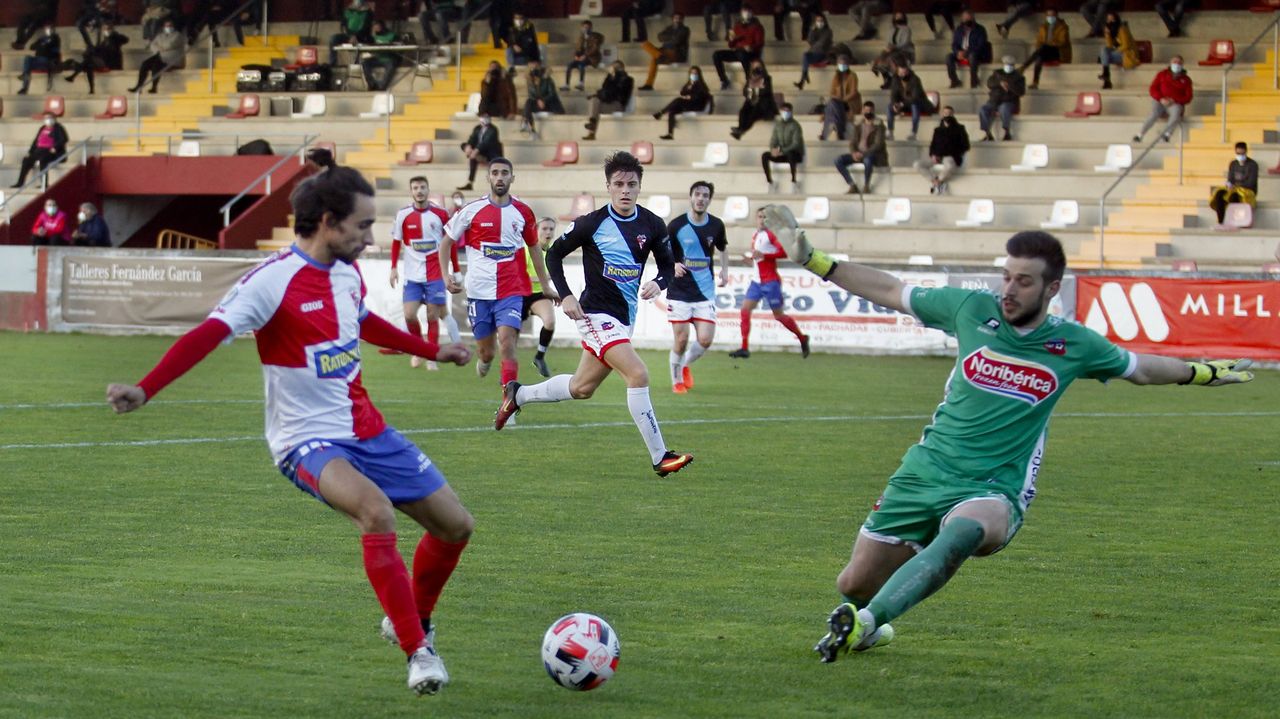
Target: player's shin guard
433,562
555,389
745,319
510,371
790,323
544,340
451,326
928,571
642,412
676,362
692,354
390,579
433,331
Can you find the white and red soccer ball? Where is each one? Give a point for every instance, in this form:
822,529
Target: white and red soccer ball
580,651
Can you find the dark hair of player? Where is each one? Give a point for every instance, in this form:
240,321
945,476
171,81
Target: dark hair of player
419,178
622,161
333,192
321,157
502,161
1033,244
711,189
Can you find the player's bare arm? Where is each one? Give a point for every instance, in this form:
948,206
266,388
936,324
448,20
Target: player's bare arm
451,283
1155,369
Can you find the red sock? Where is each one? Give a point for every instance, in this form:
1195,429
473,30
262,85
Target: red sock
786,321
433,562
390,580
433,331
412,326
510,370
745,316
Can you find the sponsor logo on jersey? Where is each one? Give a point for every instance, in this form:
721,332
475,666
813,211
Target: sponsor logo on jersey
1056,346
622,274
425,245
697,263
486,224
337,362
993,323
497,253
1020,379
313,306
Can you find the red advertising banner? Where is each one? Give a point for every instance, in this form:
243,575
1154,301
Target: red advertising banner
1183,317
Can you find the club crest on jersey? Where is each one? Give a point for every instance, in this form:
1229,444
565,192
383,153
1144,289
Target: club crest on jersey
1056,346
337,361
993,372
425,245
641,240
622,274
498,253
606,326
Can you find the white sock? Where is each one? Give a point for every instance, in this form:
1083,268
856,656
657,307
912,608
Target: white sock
451,326
677,376
695,351
642,412
868,625
555,389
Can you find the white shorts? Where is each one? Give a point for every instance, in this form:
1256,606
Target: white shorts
680,311
600,332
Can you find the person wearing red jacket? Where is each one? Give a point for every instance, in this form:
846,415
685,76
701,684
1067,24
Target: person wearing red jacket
746,43
1170,93
50,227
765,252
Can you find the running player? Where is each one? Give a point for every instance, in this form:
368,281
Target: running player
306,308
616,241
419,227
495,230
695,237
537,302
963,489
766,252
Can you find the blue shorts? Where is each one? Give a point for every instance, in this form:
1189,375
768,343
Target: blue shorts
431,293
487,315
771,292
402,471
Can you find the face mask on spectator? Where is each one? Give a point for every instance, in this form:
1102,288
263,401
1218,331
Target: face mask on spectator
842,67
1008,69
1051,19
457,202
1241,157
819,24
81,216
484,121
746,16
693,77
869,114
1175,67
48,122
786,115
168,29
51,209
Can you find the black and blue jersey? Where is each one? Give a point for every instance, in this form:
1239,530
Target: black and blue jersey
694,246
614,252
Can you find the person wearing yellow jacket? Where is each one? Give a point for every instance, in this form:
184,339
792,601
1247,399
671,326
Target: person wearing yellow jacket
1118,48
1053,44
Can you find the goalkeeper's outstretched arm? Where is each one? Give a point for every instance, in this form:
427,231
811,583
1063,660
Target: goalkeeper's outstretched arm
1154,369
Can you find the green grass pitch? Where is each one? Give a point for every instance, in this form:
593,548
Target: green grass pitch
143,574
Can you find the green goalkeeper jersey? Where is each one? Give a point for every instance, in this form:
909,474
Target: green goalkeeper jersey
993,420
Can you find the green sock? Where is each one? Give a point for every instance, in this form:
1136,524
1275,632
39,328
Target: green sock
926,572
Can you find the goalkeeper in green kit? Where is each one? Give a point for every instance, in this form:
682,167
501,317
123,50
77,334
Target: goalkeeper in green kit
962,489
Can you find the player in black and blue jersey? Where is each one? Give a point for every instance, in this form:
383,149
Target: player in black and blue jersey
695,237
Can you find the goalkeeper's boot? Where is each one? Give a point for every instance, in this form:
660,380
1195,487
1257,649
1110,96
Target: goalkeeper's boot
843,625
686,376
879,638
508,409
672,462
427,674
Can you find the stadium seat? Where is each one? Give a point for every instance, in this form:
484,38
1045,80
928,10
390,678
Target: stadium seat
1118,157
643,151
582,204
188,148
473,106
1145,52
736,209
313,105
303,57
659,205
1034,156
54,104
566,154
817,208
1221,52
1065,213
1274,170
383,104
1184,266
421,153
920,260
981,212
1239,216
896,210
117,106
592,7
716,154
1087,103
250,106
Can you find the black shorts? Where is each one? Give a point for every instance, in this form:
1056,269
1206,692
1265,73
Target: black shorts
529,301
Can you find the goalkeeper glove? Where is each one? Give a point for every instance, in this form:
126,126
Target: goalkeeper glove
1219,372
779,220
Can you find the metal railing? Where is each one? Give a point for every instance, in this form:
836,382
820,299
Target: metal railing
265,177
1102,201
1274,28
42,177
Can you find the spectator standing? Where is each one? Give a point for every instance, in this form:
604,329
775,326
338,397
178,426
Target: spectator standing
1053,44
355,28
635,13
1118,48
497,92
500,15
46,55
92,230
945,8
900,51
447,11
758,102
613,96
426,12
522,42
786,144
50,227
1005,88
969,46
843,100
1242,183
94,14
481,146
154,15
1171,12
907,95
694,96
106,54
727,9
587,52
1170,92
746,43
208,13
806,9
675,48
540,96
1018,9
820,39
867,146
864,13
1095,13
169,49
946,152
40,13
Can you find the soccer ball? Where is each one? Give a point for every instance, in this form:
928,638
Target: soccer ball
580,651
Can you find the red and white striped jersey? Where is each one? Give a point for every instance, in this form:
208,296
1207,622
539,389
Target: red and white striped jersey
495,238
418,234
305,317
766,244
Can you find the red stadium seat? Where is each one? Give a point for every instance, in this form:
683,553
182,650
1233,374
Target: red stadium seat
421,153
1184,266
566,154
1274,170
1221,52
54,104
250,105
582,204
1266,6
117,106
1087,103
643,151
1145,53
304,56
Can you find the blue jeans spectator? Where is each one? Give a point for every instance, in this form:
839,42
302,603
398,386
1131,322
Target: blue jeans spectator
581,66
987,113
845,161
916,109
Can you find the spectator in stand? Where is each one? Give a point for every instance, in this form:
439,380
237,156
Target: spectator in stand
746,43
947,9
50,227
1053,44
155,13
379,68
636,12
587,52
46,56
93,230
867,146
1005,88
1095,13
1171,12
758,101
355,28
49,144
675,48
208,13
456,201
1018,9
907,95
694,96
969,46
106,54
249,16
1170,92
786,144
843,100
500,15
446,11
497,93
426,11
946,152
864,13
39,14
900,51
1242,183
481,146
727,9
1118,48
94,14
169,49
522,42
806,9
819,38
613,96
540,96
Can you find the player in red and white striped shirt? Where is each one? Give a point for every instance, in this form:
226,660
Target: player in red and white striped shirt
416,235
766,252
